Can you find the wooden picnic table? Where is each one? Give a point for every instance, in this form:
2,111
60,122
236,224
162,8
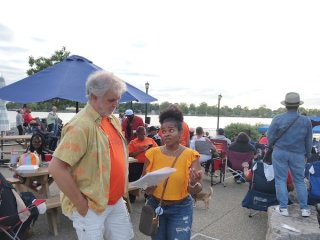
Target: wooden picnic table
37,182
21,139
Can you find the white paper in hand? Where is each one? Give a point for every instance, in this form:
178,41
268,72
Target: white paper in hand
153,178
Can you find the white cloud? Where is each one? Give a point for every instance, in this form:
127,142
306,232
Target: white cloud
252,52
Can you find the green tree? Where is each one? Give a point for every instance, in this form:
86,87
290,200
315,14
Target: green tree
38,64
234,128
184,108
192,109
164,105
202,109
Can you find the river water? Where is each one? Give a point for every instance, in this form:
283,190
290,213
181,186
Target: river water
208,123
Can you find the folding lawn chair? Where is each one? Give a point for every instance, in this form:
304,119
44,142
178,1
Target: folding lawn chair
207,156
261,193
219,163
233,164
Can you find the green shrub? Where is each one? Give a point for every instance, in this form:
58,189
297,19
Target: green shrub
234,128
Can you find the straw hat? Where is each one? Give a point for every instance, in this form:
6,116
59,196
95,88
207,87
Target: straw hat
292,99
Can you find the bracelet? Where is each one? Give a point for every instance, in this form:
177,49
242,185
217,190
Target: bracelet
196,184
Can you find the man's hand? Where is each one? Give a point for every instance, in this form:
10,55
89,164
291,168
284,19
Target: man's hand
82,207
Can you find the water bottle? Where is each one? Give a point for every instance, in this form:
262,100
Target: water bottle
14,157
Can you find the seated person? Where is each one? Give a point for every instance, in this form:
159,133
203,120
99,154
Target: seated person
27,117
220,136
30,122
204,157
199,137
38,144
263,139
264,177
137,149
242,144
153,133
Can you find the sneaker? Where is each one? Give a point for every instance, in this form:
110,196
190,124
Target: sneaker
305,212
282,211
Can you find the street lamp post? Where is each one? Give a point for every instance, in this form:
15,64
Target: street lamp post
219,99
146,109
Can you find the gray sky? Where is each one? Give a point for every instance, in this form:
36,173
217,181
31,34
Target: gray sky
251,52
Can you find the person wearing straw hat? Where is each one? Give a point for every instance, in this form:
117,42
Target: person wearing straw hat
290,134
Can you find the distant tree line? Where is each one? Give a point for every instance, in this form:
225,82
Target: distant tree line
203,109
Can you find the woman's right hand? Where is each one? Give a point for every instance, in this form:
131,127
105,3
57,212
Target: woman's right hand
150,190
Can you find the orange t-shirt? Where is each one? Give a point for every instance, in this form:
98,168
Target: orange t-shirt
137,145
177,187
263,140
118,165
185,137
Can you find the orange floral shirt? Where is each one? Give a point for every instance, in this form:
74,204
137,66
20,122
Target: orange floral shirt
85,147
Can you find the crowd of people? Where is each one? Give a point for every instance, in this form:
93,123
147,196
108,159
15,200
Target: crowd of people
92,171
27,124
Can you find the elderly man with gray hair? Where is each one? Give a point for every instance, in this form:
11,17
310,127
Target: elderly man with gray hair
90,164
290,135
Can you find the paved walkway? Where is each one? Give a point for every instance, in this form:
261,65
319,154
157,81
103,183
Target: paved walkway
225,219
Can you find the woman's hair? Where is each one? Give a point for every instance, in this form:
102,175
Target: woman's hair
172,114
243,138
199,131
100,82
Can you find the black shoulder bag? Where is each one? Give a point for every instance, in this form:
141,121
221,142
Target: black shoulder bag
268,156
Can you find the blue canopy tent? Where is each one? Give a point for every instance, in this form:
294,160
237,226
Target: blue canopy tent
263,129
316,129
64,80
315,121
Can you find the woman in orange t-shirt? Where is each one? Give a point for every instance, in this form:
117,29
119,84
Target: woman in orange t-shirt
137,149
176,211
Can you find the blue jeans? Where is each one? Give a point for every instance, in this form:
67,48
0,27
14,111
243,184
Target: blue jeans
176,220
282,161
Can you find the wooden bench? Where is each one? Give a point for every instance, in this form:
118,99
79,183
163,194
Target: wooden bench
13,180
53,204
20,151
